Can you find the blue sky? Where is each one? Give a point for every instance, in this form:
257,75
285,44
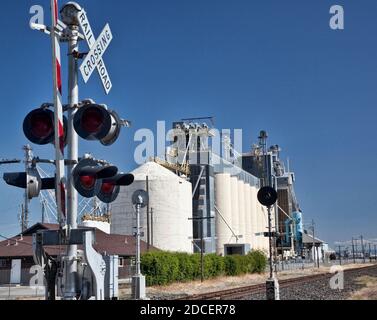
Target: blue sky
273,65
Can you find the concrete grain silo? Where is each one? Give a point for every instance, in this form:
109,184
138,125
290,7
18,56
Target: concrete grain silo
170,203
253,216
223,201
248,212
241,210
235,206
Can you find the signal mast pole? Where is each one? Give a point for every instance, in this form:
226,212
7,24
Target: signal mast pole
72,194
58,118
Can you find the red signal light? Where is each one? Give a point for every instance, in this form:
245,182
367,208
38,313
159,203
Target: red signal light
88,182
107,187
42,125
92,120
39,127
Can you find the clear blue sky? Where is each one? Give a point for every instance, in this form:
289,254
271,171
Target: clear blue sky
273,65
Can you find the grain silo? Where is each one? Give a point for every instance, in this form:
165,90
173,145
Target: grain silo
248,212
241,210
253,216
224,211
170,207
235,207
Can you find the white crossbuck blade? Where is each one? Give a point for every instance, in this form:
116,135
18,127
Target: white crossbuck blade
97,47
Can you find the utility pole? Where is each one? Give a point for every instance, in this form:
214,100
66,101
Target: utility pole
28,159
22,219
152,243
313,244
362,248
340,255
201,219
353,252
43,211
370,257
148,216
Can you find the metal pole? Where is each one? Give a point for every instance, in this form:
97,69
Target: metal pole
356,248
152,244
138,271
313,249
43,211
370,258
270,240
28,159
340,256
72,199
201,252
148,218
58,118
22,218
362,248
353,251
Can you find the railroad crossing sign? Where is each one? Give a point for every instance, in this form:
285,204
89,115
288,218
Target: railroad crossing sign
98,46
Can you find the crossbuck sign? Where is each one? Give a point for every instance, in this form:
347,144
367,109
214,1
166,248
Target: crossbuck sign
98,46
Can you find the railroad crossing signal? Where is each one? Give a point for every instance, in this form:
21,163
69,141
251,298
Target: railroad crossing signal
267,196
31,181
91,179
95,122
97,47
39,128
110,187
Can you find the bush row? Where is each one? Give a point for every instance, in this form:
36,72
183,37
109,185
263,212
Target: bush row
161,267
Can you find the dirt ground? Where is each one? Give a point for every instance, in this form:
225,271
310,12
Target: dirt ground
196,287
369,292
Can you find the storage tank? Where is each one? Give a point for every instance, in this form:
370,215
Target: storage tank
235,206
248,211
170,202
241,210
223,201
100,225
253,216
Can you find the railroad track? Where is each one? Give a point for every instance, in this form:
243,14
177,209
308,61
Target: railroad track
241,292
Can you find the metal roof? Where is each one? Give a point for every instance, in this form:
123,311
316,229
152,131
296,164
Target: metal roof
308,238
112,244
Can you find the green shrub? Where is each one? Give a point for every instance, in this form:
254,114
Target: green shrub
258,261
162,268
